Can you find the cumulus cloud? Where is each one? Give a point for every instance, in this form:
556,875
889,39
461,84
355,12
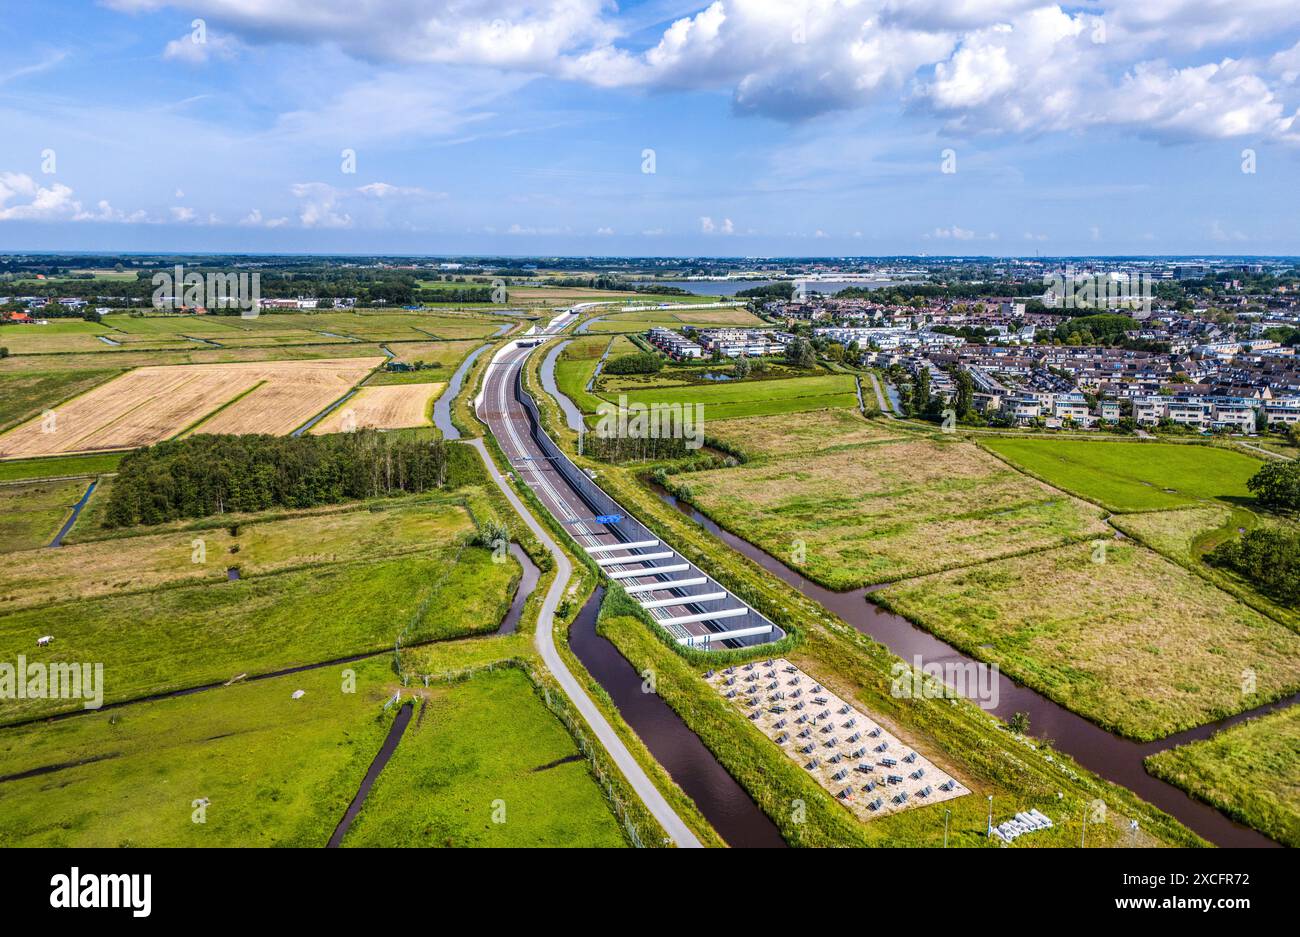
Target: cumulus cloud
255,219
22,198
1018,66
319,206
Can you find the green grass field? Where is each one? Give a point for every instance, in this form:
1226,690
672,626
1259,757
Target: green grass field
858,515
262,547
32,512
1132,476
170,638
731,400
281,772
574,368
277,771
483,751
776,436
1133,642
59,466
447,356
1250,771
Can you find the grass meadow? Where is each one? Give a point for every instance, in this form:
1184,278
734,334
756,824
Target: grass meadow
1250,771
732,400
174,636
276,771
484,763
31,513
1133,476
1117,634
859,515
777,436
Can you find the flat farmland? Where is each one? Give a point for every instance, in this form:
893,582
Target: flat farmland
185,352
1134,642
1133,476
277,771
180,636
1250,771
440,359
121,565
484,740
730,400
150,404
32,512
781,435
387,406
642,319
24,395
32,340
875,513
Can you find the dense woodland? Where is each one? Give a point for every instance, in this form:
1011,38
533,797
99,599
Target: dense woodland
1269,558
205,475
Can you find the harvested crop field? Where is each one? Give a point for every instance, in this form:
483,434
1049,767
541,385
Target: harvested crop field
151,404
386,406
868,514
1133,642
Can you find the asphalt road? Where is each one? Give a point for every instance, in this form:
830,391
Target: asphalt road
508,422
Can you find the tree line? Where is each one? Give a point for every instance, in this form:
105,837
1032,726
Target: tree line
205,475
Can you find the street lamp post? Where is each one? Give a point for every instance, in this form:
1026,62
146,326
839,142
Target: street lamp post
989,831
946,815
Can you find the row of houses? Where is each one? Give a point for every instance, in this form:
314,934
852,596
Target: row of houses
674,345
728,343
751,343
1205,413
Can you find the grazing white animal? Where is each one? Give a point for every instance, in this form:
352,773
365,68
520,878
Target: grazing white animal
42,642
298,694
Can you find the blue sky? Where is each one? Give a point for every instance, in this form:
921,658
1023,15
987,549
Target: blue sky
776,127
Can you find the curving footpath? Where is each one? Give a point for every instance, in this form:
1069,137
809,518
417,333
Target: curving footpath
672,824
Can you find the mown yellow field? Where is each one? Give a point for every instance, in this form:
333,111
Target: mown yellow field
151,404
385,406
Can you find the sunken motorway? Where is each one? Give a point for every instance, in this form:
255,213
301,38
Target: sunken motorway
692,607
497,417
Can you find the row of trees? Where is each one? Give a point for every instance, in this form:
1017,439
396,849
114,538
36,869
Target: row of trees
205,475
641,448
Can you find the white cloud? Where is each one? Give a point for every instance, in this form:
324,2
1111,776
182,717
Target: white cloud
955,232
35,201
1219,233
182,214
254,219
382,190
605,232
1011,66
189,50
43,202
319,206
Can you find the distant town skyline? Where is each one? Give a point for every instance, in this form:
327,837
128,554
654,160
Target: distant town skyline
740,128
